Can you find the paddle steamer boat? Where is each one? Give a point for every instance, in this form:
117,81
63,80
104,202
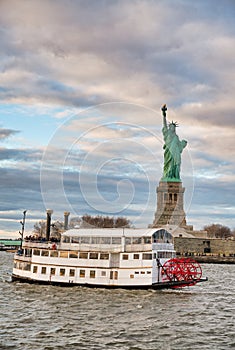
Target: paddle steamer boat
126,258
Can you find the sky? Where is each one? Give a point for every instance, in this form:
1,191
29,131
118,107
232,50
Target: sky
82,84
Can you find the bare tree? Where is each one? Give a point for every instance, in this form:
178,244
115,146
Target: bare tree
56,229
218,231
75,222
40,228
104,221
122,222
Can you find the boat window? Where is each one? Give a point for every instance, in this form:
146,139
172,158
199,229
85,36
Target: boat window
85,240
105,240
104,256
162,255
132,276
128,240
136,256
125,257
142,272
162,236
83,255
28,252
136,272
82,273
45,253
92,274
62,272
113,275
71,272
95,240
52,270
136,240
73,254
75,239
103,273
147,256
93,256
43,270
36,252
66,239
116,240
147,240
35,269
149,272
63,254
27,267
54,253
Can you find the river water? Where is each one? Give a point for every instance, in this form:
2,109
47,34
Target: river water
49,317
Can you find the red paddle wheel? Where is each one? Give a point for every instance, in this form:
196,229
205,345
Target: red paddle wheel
183,269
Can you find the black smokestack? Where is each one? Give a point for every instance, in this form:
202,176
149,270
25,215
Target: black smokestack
48,228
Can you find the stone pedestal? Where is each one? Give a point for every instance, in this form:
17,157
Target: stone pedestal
170,205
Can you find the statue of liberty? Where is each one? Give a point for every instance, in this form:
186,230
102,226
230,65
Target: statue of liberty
173,148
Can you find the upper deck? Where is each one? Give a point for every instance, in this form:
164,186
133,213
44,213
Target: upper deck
111,240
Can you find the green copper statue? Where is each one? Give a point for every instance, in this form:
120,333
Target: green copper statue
173,148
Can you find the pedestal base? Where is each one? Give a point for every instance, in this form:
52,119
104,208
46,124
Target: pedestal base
170,205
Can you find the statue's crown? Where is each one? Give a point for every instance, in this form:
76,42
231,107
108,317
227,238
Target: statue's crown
174,123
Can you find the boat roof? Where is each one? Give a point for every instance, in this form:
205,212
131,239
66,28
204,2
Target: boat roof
112,232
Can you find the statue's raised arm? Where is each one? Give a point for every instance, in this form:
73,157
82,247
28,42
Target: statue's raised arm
173,148
164,109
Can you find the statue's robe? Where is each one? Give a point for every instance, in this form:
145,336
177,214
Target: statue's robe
173,148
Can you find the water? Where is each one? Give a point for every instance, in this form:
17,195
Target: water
49,317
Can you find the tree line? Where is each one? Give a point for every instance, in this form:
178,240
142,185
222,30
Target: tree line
219,231
86,221
99,221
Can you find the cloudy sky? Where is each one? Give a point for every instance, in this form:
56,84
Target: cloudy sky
81,87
